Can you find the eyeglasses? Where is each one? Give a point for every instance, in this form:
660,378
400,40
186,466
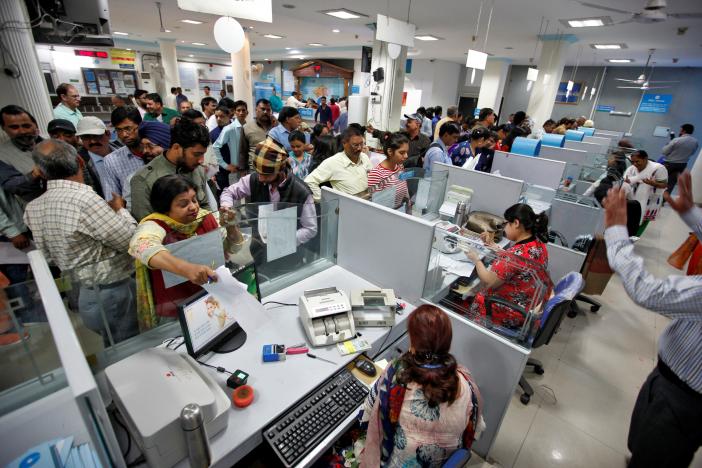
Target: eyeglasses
356,145
120,130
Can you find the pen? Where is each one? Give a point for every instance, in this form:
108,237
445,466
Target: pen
209,278
314,356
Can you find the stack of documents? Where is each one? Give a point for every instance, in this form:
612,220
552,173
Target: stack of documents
58,453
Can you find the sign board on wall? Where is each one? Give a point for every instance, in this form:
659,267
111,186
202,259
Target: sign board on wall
394,31
123,56
257,10
355,89
656,103
603,108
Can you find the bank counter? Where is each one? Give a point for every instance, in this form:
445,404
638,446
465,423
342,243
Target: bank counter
54,392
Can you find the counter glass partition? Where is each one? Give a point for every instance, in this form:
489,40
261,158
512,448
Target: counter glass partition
418,193
285,242
538,197
511,308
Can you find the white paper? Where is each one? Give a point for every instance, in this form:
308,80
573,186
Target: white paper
201,250
282,229
457,267
422,197
248,311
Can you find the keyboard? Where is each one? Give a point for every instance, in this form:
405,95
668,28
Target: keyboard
295,434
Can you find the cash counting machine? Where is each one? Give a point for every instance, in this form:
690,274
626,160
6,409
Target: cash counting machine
326,316
373,307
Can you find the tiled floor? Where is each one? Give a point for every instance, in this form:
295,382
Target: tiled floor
594,366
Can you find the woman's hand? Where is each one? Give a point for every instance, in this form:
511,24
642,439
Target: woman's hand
488,239
200,274
473,256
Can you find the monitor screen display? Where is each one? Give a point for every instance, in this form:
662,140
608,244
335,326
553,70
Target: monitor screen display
206,319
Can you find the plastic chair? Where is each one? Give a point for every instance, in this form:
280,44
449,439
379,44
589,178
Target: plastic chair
565,293
458,459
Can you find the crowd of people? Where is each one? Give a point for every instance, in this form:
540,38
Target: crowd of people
103,204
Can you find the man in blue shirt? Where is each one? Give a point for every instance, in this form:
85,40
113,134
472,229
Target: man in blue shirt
229,137
324,112
289,120
437,152
437,116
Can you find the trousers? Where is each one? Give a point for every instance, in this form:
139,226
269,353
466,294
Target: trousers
666,425
112,306
674,170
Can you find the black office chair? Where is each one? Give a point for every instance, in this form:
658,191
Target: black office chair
565,293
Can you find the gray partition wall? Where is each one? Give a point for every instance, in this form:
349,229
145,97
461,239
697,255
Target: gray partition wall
562,260
564,154
594,148
530,169
573,219
491,193
384,246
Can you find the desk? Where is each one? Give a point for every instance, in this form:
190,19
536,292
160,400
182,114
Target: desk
279,385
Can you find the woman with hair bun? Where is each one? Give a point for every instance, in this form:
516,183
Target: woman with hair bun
424,406
506,279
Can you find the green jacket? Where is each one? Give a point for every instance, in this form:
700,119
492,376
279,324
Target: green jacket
167,114
144,179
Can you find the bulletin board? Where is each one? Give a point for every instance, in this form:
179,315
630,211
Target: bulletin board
105,82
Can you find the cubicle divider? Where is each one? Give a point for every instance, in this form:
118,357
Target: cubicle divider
605,142
574,219
609,134
491,192
590,147
537,171
552,139
588,131
562,260
574,135
564,154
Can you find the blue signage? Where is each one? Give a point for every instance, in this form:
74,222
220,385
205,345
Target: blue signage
603,108
657,103
355,89
476,112
306,113
127,66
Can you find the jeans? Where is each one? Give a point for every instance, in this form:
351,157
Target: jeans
674,170
115,304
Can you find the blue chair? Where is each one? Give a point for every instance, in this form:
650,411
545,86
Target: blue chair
565,293
458,459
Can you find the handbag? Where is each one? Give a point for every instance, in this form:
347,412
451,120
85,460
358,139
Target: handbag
682,254
481,221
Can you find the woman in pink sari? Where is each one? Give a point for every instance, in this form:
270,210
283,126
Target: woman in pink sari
424,406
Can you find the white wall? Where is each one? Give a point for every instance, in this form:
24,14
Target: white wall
438,81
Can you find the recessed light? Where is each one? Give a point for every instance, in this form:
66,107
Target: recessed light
198,43
167,30
267,60
182,42
343,13
288,48
316,44
608,46
619,60
427,37
119,33
191,55
273,36
127,49
294,52
585,22
189,21
336,30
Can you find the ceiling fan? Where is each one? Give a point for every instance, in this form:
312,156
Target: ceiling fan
653,12
642,82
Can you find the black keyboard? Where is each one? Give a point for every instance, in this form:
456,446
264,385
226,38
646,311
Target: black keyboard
297,433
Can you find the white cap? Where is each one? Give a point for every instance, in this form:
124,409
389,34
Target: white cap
91,126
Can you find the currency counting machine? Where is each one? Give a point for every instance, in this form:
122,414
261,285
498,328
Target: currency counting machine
326,316
374,307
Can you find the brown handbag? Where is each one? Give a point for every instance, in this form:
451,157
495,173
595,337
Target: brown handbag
682,254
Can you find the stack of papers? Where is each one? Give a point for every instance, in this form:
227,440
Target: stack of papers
58,453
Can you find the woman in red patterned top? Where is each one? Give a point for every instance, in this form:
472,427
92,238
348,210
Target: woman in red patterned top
510,277
385,175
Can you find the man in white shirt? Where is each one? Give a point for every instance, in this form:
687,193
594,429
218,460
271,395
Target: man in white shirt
294,100
209,105
346,171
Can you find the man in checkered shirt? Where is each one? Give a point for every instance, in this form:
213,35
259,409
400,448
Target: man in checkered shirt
87,238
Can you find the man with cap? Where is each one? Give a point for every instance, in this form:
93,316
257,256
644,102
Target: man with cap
185,156
96,146
64,130
272,182
418,141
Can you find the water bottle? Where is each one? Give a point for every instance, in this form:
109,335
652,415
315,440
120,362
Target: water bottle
460,216
191,421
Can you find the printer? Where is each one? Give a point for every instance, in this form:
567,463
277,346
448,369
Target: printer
151,387
326,316
373,307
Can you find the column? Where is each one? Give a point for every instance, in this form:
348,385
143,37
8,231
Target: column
241,74
385,108
493,84
543,93
169,61
27,88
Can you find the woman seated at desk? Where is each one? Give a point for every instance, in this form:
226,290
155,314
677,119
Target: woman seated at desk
385,175
505,278
177,217
424,406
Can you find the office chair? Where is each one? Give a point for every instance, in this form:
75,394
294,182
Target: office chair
565,293
458,459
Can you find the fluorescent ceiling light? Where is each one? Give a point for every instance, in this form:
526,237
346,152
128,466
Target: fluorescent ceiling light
532,74
476,59
426,37
198,43
272,36
336,30
128,49
607,46
316,44
343,13
585,23
118,33
619,60
294,52
299,57
167,30
288,48
189,21
191,55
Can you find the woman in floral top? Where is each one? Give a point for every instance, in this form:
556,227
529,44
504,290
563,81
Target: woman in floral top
299,160
513,275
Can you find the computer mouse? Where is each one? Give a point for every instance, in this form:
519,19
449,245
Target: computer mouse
366,367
